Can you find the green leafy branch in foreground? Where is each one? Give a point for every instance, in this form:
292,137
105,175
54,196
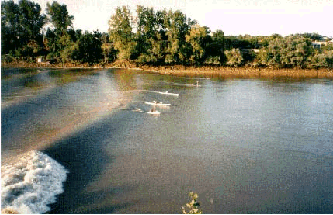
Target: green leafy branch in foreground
193,206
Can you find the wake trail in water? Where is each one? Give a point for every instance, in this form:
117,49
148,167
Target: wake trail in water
32,183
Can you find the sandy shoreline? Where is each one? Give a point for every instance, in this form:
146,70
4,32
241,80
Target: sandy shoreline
211,71
245,72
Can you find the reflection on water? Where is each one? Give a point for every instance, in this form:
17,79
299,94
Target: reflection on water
59,106
21,84
245,146
66,76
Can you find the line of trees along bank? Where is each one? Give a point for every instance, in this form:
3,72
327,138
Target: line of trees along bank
163,37
23,36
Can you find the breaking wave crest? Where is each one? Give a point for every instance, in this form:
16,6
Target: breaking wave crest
32,183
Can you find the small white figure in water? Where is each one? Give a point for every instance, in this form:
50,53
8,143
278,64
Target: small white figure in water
153,108
137,110
197,83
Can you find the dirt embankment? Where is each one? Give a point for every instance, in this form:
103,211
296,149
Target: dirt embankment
213,71
244,72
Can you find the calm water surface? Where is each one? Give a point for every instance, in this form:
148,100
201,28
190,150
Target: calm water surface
245,146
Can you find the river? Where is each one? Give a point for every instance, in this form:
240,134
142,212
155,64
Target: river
81,141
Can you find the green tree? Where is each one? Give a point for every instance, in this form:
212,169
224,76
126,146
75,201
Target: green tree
232,42
234,57
58,16
262,57
20,27
9,26
105,37
271,55
324,59
312,36
327,47
90,48
215,48
149,36
109,53
60,42
198,39
178,25
274,52
296,51
121,35
51,44
146,27
67,48
291,51
276,36
31,19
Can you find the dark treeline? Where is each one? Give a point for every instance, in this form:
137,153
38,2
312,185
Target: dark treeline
151,37
24,38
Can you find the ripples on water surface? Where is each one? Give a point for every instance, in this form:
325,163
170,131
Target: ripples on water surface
245,146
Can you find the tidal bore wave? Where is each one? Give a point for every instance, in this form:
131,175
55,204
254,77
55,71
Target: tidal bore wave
32,183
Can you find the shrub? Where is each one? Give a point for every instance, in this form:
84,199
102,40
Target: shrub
193,206
234,57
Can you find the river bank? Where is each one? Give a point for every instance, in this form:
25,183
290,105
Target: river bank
241,72
180,70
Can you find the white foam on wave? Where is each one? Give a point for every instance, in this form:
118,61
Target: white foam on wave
32,183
